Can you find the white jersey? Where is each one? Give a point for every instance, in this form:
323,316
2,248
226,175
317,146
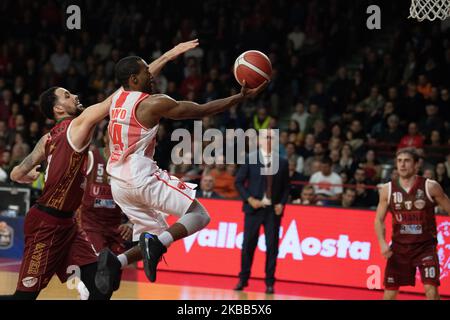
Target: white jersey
132,145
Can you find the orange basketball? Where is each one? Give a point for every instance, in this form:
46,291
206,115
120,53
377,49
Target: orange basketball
254,67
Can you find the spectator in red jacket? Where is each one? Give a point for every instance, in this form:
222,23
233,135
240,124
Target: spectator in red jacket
412,139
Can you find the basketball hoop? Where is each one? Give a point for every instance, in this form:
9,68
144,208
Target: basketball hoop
429,9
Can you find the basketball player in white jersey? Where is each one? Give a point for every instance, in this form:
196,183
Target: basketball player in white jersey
143,191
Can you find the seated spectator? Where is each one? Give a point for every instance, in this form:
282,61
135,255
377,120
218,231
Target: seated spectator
261,119
365,198
432,121
391,134
428,173
224,181
334,156
307,197
424,86
319,153
207,188
307,150
348,198
314,114
295,179
300,115
347,161
319,131
371,166
356,136
20,149
447,164
441,176
373,102
291,155
293,127
413,139
327,184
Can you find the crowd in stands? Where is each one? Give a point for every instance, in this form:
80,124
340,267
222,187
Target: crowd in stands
340,122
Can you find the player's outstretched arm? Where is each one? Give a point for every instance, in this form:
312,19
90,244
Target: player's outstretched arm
83,125
380,227
166,107
439,195
26,171
156,66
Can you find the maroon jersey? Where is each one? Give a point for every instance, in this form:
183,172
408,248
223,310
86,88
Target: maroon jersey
65,171
98,209
413,218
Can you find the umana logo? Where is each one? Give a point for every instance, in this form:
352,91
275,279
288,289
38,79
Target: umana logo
226,237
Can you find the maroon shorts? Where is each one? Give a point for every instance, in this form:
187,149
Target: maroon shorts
406,258
106,239
51,245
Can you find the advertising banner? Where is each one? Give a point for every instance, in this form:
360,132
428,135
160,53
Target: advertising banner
321,245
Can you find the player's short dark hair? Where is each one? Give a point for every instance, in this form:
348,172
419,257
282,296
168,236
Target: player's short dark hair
125,68
47,101
411,151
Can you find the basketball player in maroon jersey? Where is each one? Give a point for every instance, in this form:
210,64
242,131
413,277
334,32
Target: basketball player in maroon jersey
411,199
143,191
53,241
99,216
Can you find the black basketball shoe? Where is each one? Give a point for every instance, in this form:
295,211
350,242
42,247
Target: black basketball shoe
152,250
107,278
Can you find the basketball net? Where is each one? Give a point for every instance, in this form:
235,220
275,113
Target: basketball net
429,9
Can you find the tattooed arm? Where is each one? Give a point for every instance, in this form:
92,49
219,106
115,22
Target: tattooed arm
26,171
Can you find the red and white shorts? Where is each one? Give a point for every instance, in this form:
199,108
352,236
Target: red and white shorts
148,204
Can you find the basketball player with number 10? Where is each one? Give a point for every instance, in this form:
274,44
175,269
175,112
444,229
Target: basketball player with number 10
411,200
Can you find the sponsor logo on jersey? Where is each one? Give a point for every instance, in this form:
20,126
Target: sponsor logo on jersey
411,229
420,204
443,248
104,203
291,243
408,205
420,194
6,236
29,282
390,280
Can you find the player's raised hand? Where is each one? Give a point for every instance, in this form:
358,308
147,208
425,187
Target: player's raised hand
181,48
251,93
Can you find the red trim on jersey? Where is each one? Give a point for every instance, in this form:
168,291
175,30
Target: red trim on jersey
133,112
170,177
162,180
134,127
123,96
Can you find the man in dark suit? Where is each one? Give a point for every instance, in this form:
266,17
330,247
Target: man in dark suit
264,199
207,188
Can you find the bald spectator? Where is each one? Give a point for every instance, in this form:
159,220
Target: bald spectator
207,188
327,184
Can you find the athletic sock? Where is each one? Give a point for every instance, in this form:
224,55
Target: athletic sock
123,260
166,239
